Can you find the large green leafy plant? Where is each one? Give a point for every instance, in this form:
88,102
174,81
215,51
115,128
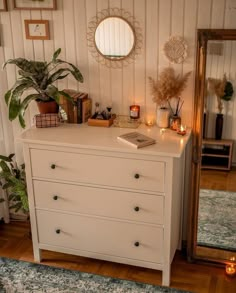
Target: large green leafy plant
12,179
39,76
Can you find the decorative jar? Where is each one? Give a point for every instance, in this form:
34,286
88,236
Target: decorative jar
162,117
175,122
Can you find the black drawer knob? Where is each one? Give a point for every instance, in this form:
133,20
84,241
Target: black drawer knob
136,243
55,197
58,231
136,209
53,166
136,176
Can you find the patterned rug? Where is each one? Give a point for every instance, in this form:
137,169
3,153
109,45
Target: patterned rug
23,277
217,219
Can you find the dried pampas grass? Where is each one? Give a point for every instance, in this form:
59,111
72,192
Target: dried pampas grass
222,88
168,85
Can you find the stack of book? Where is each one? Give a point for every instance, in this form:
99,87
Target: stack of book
81,110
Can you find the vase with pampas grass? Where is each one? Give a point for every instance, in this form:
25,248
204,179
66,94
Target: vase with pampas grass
166,91
223,89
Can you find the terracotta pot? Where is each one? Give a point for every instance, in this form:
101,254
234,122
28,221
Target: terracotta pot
47,107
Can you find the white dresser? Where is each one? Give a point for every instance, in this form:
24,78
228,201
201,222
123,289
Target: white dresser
94,196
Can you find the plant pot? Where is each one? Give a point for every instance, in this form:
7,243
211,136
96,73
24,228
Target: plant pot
175,122
219,126
163,117
47,107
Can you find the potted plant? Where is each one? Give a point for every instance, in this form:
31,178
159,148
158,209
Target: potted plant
39,76
168,86
13,180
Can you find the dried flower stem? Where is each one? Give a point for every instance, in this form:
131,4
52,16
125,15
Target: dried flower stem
168,86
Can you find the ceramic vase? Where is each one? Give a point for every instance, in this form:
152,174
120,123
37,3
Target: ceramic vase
219,126
162,117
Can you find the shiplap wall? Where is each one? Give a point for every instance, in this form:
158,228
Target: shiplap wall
159,19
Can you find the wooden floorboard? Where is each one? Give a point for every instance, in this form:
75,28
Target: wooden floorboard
15,243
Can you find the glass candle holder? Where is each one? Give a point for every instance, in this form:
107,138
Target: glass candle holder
230,269
175,122
149,121
181,130
134,111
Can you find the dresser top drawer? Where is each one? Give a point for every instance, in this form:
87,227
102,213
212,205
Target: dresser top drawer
139,175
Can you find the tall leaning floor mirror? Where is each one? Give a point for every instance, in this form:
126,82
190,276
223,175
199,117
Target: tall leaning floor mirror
212,221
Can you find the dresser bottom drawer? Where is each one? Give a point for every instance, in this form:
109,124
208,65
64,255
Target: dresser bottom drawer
99,235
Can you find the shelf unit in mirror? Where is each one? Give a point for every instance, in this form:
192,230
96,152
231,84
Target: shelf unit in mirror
217,154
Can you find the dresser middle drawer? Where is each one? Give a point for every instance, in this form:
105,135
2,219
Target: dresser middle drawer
111,171
99,201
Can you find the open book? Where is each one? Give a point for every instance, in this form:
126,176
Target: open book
136,139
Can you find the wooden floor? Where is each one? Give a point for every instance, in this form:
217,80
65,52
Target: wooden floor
218,180
200,278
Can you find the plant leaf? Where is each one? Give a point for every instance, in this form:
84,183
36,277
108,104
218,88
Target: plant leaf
7,96
56,54
5,167
11,156
68,97
7,185
57,75
6,159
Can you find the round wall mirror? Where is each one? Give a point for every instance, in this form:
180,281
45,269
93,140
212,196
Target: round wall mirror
114,38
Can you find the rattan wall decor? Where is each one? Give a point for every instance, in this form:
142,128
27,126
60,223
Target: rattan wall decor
175,49
110,61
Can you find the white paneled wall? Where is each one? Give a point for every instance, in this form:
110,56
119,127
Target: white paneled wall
159,19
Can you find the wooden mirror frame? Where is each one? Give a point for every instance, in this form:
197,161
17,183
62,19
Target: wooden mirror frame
203,36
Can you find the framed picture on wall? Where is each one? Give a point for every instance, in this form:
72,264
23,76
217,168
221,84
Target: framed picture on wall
36,29
3,5
35,4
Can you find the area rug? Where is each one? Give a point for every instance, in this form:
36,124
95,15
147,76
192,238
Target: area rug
217,219
23,277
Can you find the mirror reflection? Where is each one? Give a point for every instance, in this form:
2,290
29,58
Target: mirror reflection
216,225
114,38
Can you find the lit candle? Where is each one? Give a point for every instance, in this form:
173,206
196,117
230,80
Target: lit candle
134,111
162,130
181,130
230,268
149,122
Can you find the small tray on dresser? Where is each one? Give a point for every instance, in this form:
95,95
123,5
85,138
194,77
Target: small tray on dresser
124,121
100,122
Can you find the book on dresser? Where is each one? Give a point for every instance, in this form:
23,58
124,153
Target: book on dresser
136,139
84,104
80,111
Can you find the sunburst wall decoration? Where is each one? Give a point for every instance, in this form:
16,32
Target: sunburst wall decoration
175,49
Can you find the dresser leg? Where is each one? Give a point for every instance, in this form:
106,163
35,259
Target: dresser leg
37,255
166,277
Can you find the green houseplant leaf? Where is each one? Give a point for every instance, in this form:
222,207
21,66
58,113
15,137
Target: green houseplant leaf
40,77
12,179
